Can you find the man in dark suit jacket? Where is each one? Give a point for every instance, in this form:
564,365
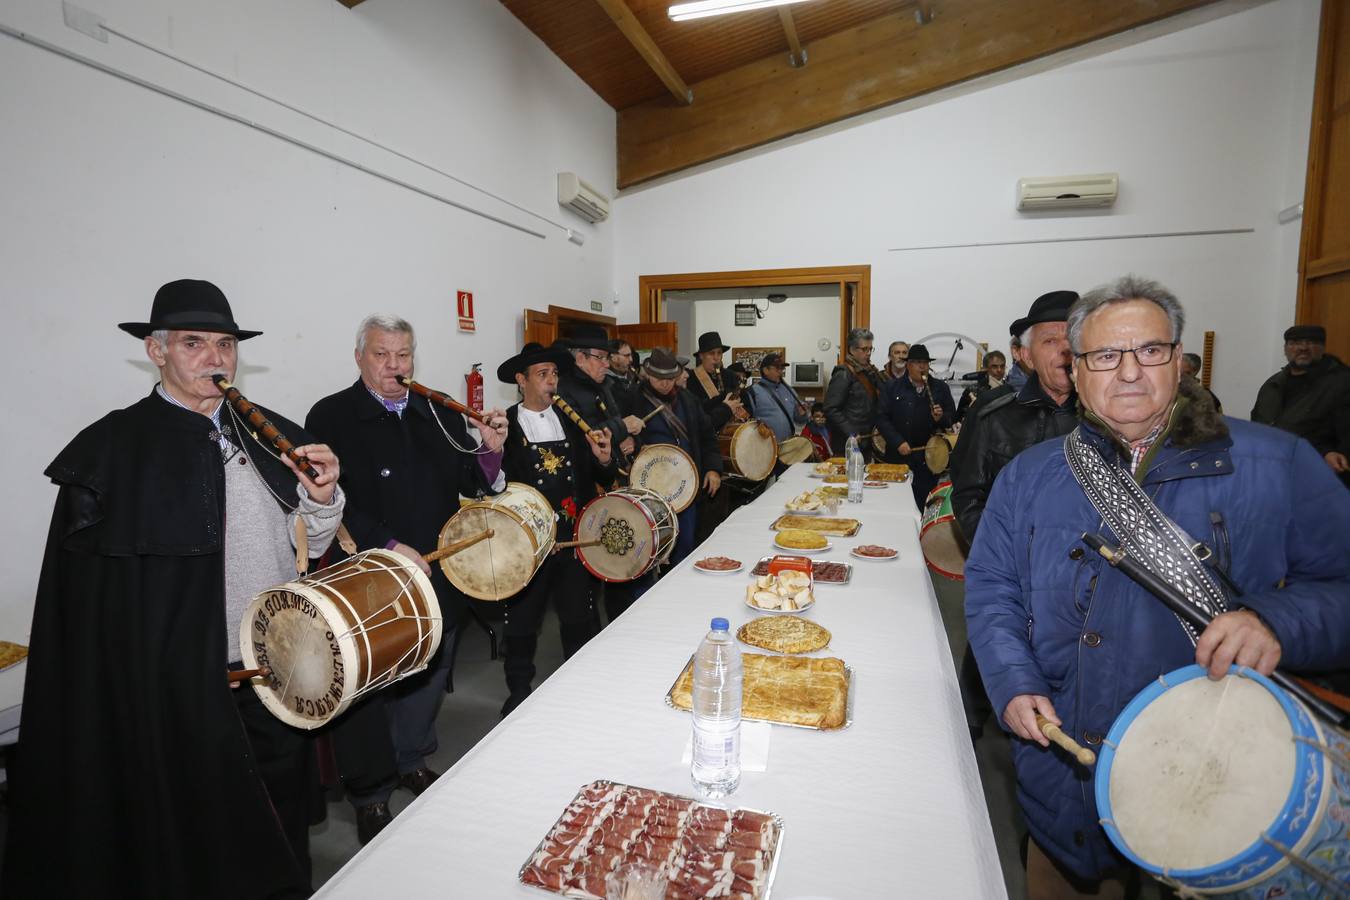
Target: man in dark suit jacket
410,463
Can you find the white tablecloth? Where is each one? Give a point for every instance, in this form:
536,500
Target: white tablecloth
890,807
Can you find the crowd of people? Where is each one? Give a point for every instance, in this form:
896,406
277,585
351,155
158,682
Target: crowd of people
172,514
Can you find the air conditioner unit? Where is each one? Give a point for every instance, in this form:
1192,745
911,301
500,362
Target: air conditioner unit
581,198
1067,192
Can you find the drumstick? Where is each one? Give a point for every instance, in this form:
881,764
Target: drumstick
1057,736
647,418
443,399
567,545
246,674
452,549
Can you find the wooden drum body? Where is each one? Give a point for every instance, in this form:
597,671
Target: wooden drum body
1227,788
667,471
524,530
350,628
937,453
749,449
943,549
636,530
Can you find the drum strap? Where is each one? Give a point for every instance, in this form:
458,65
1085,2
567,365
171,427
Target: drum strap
707,383
1144,531
301,546
345,539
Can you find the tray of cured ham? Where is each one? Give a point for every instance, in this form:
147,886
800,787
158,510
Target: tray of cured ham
822,571
704,851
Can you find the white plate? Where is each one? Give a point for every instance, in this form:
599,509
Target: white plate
827,546
876,485
804,512
856,554
781,612
698,568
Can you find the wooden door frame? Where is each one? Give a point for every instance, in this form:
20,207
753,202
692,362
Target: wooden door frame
652,289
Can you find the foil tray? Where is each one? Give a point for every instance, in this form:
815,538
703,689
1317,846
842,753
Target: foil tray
848,704
848,531
848,571
775,851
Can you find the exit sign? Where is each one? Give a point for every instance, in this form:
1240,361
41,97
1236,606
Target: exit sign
597,306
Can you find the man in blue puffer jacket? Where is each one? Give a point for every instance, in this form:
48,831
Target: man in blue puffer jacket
1058,631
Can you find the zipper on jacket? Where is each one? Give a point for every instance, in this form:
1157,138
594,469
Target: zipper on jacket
1031,539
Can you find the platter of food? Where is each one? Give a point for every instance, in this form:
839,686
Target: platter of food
876,484
887,471
875,552
813,692
806,502
702,851
11,654
801,541
784,634
823,524
822,571
718,565
787,592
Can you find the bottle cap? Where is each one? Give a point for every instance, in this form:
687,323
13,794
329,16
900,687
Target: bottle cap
720,624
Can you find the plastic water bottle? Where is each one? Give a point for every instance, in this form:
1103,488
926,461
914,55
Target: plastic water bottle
718,676
856,469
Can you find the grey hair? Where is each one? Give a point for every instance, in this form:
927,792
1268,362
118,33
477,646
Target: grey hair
1194,359
895,344
857,335
161,336
384,322
1123,290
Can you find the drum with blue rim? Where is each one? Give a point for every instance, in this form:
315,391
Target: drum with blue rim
1228,788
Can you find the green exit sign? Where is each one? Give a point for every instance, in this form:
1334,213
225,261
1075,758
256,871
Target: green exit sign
597,306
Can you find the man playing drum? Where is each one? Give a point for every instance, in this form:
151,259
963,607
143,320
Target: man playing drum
409,462
913,408
1060,633
171,516
546,451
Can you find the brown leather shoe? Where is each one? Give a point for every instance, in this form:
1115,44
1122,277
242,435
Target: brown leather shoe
418,781
370,821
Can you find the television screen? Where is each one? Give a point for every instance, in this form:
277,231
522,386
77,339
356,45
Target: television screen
808,374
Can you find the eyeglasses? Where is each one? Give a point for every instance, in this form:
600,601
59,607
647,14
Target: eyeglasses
595,354
1108,358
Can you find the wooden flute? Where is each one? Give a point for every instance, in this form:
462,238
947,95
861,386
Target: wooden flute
443,399
572,414
255,417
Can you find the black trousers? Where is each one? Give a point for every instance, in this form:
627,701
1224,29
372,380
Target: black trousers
563,581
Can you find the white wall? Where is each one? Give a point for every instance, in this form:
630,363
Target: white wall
809,314
1207,127
112,190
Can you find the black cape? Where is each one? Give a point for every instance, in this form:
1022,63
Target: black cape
133,775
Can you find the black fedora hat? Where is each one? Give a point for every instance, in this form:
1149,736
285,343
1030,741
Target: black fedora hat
919,353
709,341
529,355
661,363
189,305
589,337
1315,333
1051,307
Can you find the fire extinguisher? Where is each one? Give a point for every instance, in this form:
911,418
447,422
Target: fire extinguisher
473,387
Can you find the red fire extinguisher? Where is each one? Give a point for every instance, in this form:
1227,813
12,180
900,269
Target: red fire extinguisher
473,387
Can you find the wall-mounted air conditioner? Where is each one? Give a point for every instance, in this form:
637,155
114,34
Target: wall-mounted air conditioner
581,198
1067,192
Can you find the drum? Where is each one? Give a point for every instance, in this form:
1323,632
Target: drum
937,453
749,449
524,528
636,530
1228,788
944,550
795,449
345,630
667,471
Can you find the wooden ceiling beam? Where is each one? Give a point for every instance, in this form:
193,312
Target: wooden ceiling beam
642,42
797,58
872,65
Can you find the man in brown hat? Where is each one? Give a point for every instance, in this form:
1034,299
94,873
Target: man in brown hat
171,515
1310,397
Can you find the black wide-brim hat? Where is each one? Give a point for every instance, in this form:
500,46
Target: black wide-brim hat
532,354
189,305
919,353
589,337
1051,307
709,341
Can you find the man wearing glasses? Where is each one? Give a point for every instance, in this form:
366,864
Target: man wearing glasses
587,390
1059,632
1310,397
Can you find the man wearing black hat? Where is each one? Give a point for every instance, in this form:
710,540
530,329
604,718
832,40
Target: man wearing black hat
1310,397
546,451
913,407
407,464
718,392
1001,424
585,387
171,515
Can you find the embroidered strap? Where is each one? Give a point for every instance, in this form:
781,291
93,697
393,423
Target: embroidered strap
1143,530
705,380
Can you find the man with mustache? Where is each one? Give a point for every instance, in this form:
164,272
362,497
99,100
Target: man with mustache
1310,397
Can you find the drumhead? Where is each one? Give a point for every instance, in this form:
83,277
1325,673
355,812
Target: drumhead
1200,771
628,532
795,449
666,470
937,452
754,450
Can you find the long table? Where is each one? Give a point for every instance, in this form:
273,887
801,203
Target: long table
889,807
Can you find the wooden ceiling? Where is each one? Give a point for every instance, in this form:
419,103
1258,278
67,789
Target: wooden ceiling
692,92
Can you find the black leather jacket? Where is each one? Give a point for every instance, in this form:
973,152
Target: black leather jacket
1000,425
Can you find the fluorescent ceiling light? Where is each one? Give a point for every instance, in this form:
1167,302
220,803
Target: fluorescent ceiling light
682,12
